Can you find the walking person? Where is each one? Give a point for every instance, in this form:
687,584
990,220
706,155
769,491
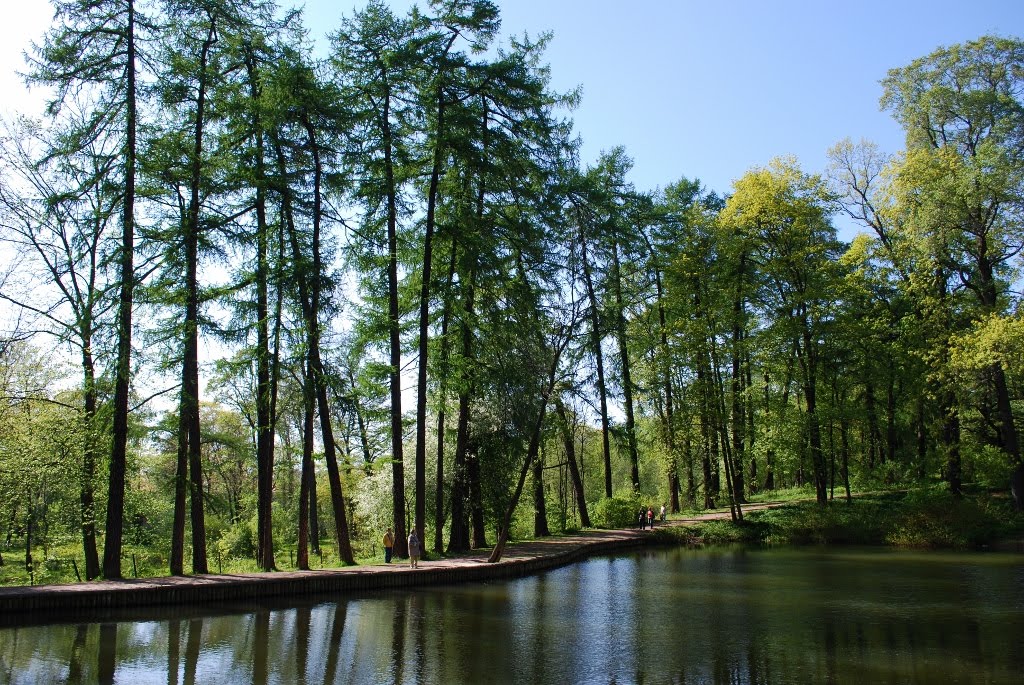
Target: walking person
663,513
641,518
414,549
389,545
650,518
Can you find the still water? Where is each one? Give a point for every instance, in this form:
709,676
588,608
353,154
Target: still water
659,616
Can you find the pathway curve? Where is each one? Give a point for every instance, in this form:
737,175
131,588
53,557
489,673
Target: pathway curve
18,604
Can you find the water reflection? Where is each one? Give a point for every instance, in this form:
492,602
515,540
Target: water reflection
665,616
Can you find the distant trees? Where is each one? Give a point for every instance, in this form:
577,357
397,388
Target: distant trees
59,216
409,215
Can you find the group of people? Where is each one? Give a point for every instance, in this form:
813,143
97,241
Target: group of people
646,517
415,548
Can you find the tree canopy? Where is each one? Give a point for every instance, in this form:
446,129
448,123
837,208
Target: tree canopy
270,275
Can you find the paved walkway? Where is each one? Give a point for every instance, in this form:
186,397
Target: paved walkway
519,559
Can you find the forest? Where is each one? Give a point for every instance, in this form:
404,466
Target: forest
263,301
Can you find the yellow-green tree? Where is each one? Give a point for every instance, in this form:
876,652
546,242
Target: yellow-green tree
784,214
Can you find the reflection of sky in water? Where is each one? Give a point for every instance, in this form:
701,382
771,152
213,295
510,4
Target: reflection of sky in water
665,615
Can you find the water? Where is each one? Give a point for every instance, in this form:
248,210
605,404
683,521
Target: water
660,616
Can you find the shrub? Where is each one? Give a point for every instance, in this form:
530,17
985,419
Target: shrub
616,512
934,518
239,540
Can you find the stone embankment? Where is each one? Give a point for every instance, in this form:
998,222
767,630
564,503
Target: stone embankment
520,559
20,604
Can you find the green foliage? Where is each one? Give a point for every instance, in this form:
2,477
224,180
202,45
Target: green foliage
932,518
724,532
793,494
238,540
923,518
988,466
809,523
853,354
616,512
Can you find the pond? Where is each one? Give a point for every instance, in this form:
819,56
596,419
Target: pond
667,615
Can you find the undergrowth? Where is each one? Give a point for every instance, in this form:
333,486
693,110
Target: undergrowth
923,519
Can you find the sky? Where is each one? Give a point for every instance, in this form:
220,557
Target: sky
698,89
702,89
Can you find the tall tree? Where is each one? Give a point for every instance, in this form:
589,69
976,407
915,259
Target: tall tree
374,55
318,121
93,45
58,212
785,214
192,45
475,21
963,114
617,229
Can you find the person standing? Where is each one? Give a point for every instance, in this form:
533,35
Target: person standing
389,545
414,549
663,513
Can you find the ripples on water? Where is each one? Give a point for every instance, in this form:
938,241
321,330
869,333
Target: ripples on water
660,616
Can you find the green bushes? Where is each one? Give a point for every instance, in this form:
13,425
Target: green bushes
616,512
936,519
926,518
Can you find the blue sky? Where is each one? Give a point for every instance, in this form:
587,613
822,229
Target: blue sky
710,89
699,89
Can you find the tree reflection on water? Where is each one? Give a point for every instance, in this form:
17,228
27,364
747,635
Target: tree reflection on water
674,615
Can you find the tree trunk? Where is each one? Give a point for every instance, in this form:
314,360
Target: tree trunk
126,273
540,511
189,434
439,515
316,364
570,458
364,438
306,483
1008,438
29,530
722,432
264,390
810,366
602,390
394,339
531,455
751,433
177,555
421,381
844,441
458,538
627,379
476,502
670,429
88,474
739,419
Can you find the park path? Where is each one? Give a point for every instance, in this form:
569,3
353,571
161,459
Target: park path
39,603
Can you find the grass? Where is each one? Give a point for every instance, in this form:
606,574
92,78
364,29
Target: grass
58,564
929,518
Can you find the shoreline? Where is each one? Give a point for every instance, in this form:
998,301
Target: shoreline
105,600
25,605
35,604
